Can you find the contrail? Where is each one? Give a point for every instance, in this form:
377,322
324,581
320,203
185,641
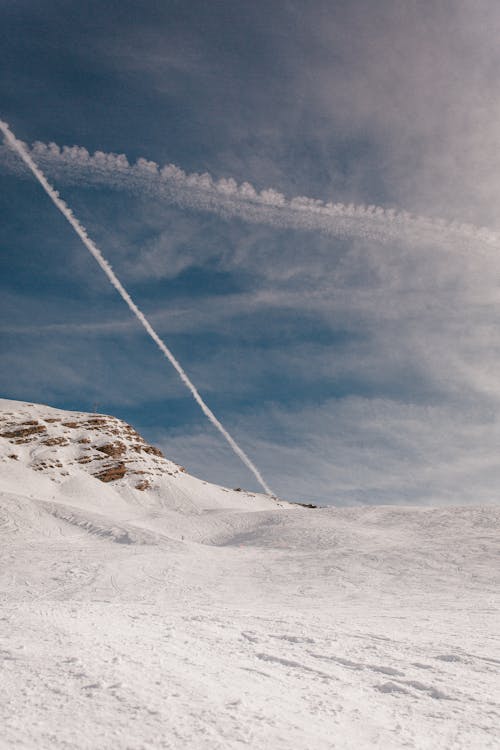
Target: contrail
227,198
21,150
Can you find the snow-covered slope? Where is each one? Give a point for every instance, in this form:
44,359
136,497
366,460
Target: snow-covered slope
99,464
184,615
69,447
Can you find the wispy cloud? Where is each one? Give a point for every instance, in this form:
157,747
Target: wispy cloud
227,198
363,451
422,85
21,150
369,335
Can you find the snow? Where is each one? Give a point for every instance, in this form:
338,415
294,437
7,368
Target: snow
193,616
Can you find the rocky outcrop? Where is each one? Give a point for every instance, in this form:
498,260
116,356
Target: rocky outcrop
112,473
104,446
22,433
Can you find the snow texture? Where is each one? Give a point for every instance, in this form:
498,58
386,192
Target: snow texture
144,608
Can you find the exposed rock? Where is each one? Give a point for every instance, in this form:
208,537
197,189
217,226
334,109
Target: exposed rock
95,422
113,449
101,445
55,441
153,450
112,473
24,432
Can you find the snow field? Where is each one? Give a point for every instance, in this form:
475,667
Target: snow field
186,617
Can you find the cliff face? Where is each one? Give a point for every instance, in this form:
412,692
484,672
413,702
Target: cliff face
53,442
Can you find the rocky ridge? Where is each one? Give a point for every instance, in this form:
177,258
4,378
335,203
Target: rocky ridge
53,441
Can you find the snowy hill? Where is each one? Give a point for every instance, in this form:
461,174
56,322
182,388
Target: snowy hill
96,462
69,447
144,608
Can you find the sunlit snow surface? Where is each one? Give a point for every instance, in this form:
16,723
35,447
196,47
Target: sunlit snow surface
189,616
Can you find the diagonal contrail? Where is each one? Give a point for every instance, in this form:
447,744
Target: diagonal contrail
21,150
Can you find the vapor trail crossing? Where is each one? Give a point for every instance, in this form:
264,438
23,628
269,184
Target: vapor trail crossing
21,150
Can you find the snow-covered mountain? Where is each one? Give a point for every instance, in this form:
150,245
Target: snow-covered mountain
144,608
99,464
71,447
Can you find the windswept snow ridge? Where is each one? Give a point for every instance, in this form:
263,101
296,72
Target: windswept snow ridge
184,615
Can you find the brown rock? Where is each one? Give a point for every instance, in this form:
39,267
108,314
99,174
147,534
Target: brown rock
55,441
113,449
23,432
112,473
95,422
152,450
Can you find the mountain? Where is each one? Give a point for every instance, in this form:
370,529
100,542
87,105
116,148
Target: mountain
144,608
98,463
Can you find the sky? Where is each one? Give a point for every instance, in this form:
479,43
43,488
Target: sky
349,342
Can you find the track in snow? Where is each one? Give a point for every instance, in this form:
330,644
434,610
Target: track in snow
355,628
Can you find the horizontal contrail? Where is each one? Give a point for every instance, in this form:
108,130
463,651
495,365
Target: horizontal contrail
21,150
225,197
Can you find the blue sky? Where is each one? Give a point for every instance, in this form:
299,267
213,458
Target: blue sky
354,357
